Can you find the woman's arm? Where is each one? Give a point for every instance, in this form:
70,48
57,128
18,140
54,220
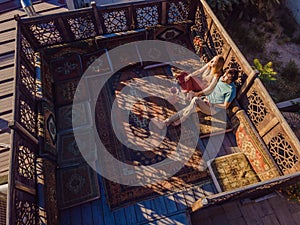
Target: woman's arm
210,87
197,72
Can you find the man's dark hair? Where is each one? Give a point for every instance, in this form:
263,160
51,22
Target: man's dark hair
234,73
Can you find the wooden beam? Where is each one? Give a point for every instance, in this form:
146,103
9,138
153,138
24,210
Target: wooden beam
97,18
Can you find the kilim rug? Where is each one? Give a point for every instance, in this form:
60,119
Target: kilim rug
138,128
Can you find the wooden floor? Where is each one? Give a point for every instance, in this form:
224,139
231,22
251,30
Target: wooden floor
273,211
169,209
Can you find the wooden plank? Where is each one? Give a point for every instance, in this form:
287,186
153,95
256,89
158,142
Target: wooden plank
198,193
7,25
189,197
264,208
219,217
159,206
6,88
218,143
4,156
9,35
86,214
130,215
271,123
6,60
249,213
201,217
75,214
39,7
141,212
65,217
6,104
107,215
178,219
4,163
5,138
180,200
237,221
209,150
209,189
4,174
120,218
170,203
6,73
7,47
232,210
6,118
296,216
281,210
97,212
231,138
229,144
270,220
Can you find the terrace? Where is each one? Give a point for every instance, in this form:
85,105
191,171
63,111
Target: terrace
253,152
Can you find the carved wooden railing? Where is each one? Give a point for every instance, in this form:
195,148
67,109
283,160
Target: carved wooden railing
31,173
280,140
272,128
94,21
22,198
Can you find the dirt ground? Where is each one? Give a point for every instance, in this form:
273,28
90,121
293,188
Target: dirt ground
276,40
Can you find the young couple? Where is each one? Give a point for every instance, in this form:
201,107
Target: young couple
217,95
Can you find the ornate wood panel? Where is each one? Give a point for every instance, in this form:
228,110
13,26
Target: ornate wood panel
178,11
283,150
47,195
282,144
257,105
24,209
234,61
115,20
147,16
25,160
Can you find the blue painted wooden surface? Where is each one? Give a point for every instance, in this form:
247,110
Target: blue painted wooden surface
170,204
130,215
65,217
86,214
75,215
97,211
166,209
120,218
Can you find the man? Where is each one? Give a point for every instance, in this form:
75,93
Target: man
220,98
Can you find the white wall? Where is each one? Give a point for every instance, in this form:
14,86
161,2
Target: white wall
294,6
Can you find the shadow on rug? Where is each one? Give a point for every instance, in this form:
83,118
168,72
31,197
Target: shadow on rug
136,126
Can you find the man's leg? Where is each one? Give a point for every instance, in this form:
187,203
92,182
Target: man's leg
191,108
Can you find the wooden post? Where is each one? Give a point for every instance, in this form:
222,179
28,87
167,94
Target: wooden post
97,18
164,13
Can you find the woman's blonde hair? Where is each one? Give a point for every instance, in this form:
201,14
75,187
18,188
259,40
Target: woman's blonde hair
220,63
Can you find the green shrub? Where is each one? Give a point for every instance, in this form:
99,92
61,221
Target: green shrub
266,72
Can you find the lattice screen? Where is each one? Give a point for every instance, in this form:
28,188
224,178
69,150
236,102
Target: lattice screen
2,209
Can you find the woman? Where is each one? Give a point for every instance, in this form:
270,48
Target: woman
202,79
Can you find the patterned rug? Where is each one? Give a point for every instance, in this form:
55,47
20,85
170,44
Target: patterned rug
138,128
77,185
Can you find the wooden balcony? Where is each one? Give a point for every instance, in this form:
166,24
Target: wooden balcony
52,54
